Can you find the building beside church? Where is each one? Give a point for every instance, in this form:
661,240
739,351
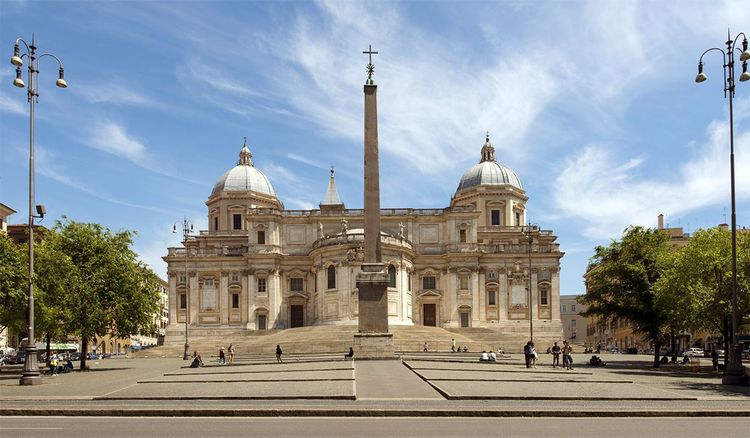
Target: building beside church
260,266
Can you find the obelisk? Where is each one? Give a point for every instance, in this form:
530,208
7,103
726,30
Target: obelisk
373,340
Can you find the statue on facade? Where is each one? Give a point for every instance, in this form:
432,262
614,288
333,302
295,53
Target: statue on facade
320,231
401,230
344,226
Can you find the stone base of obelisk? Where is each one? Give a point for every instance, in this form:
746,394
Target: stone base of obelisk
373,340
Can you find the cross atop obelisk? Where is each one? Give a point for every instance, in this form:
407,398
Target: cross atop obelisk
370,67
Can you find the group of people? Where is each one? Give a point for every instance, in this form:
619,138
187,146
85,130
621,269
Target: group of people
56,365
488,356
566,352
456,348
223,355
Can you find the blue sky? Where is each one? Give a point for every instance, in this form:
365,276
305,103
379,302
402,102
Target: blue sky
593,104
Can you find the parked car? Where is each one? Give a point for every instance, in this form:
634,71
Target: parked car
746,354
93,356
631,350
75,356
693,352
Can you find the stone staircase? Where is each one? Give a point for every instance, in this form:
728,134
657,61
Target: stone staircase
334,339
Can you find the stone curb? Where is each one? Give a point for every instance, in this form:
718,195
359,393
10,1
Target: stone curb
10,412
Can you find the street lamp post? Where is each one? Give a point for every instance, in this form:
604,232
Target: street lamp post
187,228
734,371
527,231
30,374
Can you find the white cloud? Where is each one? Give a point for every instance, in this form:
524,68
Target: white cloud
112,138
115,94
607,196
13,106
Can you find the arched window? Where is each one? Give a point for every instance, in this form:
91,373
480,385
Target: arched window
391,276
331,277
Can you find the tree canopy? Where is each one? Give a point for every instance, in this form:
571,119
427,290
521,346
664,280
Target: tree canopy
88,282
620,282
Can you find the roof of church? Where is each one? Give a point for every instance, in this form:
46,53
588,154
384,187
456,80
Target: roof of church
332,194
488,171
244,177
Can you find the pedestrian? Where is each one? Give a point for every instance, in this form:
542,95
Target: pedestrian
567,358
222,357
350,354
231,354
715,359
425,346
453,345
527,354
278,353
532,355
555,355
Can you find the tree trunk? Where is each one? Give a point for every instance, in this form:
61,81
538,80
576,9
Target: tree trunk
657,347
84,351
48,348
673,343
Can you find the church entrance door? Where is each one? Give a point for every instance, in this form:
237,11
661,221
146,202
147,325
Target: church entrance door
298,319
428,315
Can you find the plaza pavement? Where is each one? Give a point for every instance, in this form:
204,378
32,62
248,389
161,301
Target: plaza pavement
429,384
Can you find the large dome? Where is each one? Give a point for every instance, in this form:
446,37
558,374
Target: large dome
244,177
488,172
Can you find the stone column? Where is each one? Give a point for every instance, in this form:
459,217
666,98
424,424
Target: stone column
193,304
475,297
534,297
174,302
482,312
249,287
223,293
502,298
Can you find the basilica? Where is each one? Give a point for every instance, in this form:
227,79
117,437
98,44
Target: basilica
472,264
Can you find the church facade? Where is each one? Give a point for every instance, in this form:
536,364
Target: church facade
471,264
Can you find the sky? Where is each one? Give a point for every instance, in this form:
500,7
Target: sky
593,105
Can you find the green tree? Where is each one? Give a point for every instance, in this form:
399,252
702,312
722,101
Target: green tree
701,281
13,285
620,282
111,292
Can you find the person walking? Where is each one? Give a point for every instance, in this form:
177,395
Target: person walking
278,353
532,355
555,355
231,354
222,357
527,354
425,346
453,345
567,359
715,360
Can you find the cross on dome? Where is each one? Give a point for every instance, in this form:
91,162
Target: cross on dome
488,151
246,158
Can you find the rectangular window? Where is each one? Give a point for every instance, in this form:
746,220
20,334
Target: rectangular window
183,301
409,281
495,217
491,300
182,278
518,219
296,284
463,281
216,223
236,221
573,323
492,275
261,285
543,297
428,282
462,236
235,278
261,237
572,307
235,301
208,282
564,308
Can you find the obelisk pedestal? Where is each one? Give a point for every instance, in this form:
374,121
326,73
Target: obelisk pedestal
373,340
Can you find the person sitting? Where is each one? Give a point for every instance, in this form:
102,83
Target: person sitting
664,360
197,362
500,351
68,365
465,349
493,356
484,357
596,361
350,354
685,359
